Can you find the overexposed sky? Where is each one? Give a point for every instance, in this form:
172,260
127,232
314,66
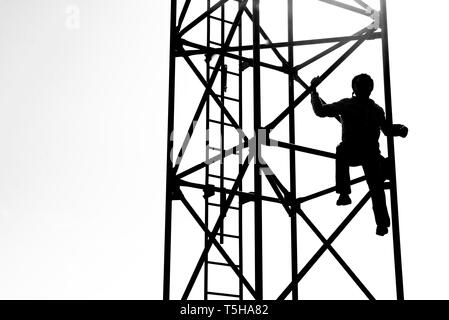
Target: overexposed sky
83,103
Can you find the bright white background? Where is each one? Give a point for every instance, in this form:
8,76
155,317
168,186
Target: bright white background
82,147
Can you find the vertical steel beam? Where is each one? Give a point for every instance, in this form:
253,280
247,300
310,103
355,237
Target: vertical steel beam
241,140
291,120
391,154
206,198
257,149
222,119
169,174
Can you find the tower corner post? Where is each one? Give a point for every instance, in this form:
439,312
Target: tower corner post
391,153
257,164
291,99
169,173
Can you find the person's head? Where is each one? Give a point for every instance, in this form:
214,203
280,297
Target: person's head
362,86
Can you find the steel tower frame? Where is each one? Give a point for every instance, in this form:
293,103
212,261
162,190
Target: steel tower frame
181,48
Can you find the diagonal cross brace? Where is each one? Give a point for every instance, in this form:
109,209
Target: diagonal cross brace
216,228
362,4
200,49
210,84
217,245
182,16
265,36
216,158
324,247
328,50
203,16
215,97
346,6
326,74
274,182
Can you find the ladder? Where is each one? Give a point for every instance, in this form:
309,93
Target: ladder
219,134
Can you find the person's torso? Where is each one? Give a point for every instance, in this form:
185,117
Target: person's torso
361,122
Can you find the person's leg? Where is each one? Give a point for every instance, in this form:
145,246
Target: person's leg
342,178
386,167
374,178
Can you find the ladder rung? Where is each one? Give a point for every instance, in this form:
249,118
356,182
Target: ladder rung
221,264
221,20
223,123
224,178
232,99
229,72
230,236
215,149
217,205
223,294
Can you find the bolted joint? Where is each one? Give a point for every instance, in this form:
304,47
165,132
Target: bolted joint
245,198
292,204
176,189
264,136
375,15
245,65
295,206
289,69
261,138
178,47
208,56
209,191
176,193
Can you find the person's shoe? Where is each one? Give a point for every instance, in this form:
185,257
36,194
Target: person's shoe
344,200
381,231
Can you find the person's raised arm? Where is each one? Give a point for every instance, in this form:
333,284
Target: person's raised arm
319,108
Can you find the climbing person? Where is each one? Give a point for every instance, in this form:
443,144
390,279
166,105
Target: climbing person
362,120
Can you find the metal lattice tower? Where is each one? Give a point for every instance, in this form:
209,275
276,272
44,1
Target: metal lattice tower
224,58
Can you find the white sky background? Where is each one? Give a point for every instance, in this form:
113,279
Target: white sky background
82,147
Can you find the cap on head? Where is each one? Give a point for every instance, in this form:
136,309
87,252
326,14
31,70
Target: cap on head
362,85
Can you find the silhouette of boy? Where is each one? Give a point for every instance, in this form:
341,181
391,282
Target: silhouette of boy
362,120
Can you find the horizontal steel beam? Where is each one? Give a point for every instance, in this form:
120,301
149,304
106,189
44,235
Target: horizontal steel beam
370,36
199,186
326,191
205,50
295,147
